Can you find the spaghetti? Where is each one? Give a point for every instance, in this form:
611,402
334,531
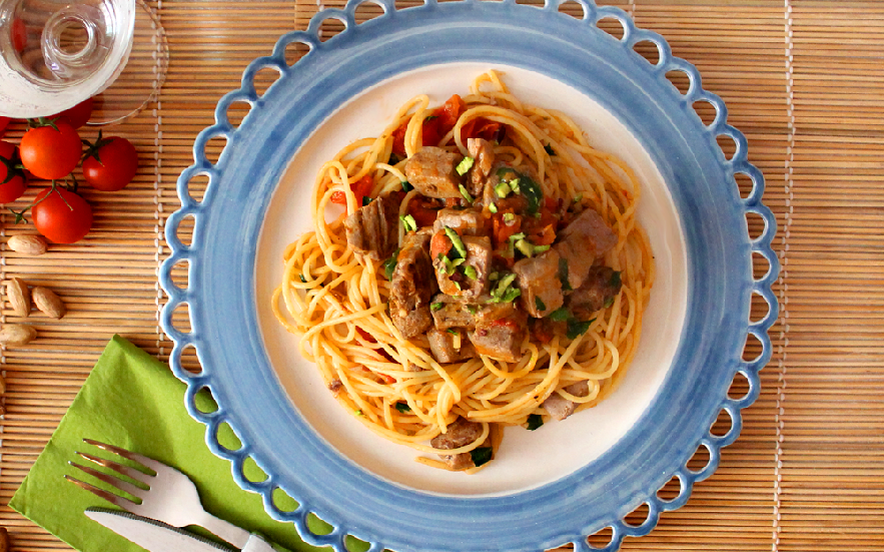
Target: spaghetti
355,320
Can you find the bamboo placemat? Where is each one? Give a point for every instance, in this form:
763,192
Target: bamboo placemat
802,79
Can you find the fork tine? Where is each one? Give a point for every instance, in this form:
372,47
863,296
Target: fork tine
119,468
120,501
146,462
112,480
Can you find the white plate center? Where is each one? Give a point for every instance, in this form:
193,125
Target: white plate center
526,459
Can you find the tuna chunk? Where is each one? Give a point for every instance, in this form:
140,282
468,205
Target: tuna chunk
600,288
373,230
559,407
583,241
483,152
460,283
412,286
432,172
458,434
539,282
466,222
449,312
499,331
448,347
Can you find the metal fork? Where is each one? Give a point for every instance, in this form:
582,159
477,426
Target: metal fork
170,496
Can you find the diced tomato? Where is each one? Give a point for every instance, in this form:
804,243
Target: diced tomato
480,127
365,335
501,230
388,379
422,211
361,188
450,112
440,244
506,323
437,125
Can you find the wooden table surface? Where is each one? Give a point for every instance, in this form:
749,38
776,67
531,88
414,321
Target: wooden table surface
802,79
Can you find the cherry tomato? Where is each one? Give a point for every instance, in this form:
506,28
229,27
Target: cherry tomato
76,116
61,216
3,122
51,153
12,180
112,165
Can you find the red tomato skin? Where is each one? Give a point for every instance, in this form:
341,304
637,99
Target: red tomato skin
61,216
51,154
118,165
16,186
76,116
3,122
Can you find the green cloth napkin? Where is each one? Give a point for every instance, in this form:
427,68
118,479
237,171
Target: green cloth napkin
134,401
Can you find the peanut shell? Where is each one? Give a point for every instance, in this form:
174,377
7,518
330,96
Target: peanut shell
16,335
27,244
19,297
48,302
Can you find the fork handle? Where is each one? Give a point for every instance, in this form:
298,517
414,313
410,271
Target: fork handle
237,536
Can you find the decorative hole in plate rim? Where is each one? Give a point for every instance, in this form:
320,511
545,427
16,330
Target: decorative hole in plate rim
567,480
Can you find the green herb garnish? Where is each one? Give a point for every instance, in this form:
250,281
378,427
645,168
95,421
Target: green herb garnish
559,315
549,149
538,302
563,274
534,421
403,407
532,191
390,265
481,455
303,280
406,186
577,328
436,306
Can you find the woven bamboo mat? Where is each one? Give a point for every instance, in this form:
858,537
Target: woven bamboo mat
802,79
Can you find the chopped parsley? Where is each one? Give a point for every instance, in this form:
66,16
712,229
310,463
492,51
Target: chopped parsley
303,280
403,407
534,421
481,455
563,274
406,186
549,149
559,315
366,200
390,265
576,328
533,193
615,280
538,302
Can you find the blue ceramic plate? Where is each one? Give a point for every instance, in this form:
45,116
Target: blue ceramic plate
546,488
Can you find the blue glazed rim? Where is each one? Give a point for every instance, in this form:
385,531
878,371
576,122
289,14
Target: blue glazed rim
220,260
